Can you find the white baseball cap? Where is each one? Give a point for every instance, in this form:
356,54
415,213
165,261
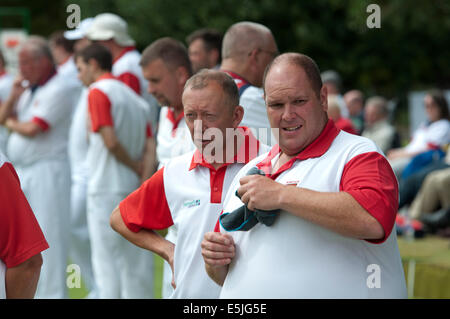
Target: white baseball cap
108,26
80,31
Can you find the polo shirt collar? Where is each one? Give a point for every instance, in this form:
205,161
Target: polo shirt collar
105,76
123,52
43,81
236,76
244,154
316,149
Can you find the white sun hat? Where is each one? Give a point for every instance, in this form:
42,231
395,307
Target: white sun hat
80,31
108,26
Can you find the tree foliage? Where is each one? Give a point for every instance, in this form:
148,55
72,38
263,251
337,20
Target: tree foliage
408,52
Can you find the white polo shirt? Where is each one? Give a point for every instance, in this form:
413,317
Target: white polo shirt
6,81
112,103
251,98
173,137
78,137
50,106
127,69
187,193
20,235
295,258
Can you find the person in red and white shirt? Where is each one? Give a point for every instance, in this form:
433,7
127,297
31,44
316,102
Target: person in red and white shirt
111,31
337,198
247,49
39,118
120,141
21,238
188,192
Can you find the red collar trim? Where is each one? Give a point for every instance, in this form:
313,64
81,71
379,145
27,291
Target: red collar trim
105,76
123,52
2,73
240,81
175,121
316,149
249,150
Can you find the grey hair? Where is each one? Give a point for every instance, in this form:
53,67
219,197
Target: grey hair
202,79
38,47
243,37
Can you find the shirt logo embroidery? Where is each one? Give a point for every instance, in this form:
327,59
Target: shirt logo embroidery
192,203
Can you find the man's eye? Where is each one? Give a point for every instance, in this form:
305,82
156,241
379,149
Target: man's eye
275,105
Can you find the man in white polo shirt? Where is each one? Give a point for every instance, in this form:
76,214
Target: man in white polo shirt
111,31
39,118
247,49
188,191
165,64
337,199
119,143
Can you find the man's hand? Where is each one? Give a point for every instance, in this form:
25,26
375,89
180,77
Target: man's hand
218,250
17,88
260,192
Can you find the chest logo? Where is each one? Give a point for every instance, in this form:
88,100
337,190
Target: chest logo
192,203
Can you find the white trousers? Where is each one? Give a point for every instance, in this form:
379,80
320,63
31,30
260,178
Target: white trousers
80,246
121,269
46,185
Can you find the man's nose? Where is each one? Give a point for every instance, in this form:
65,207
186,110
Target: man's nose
288,112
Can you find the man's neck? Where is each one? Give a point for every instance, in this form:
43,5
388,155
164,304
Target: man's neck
237,68
229,153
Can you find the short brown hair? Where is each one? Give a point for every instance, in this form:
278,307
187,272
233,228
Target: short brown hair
97,52
201,80
172,52
303,61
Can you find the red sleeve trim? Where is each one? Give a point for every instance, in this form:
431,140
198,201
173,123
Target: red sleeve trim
131,80
20,234
432,146
147,206
42,123
369,179
99,109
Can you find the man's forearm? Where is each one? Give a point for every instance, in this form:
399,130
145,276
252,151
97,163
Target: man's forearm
21,281
6,109
339,212
217,273
145,238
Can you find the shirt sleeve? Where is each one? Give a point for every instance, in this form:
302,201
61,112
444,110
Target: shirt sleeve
369,179
99,107
131,80
20,234
147,206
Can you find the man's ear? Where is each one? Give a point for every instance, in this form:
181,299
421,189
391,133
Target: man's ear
324,98
238,115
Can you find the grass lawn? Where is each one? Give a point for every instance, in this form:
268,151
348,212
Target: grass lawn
79,293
